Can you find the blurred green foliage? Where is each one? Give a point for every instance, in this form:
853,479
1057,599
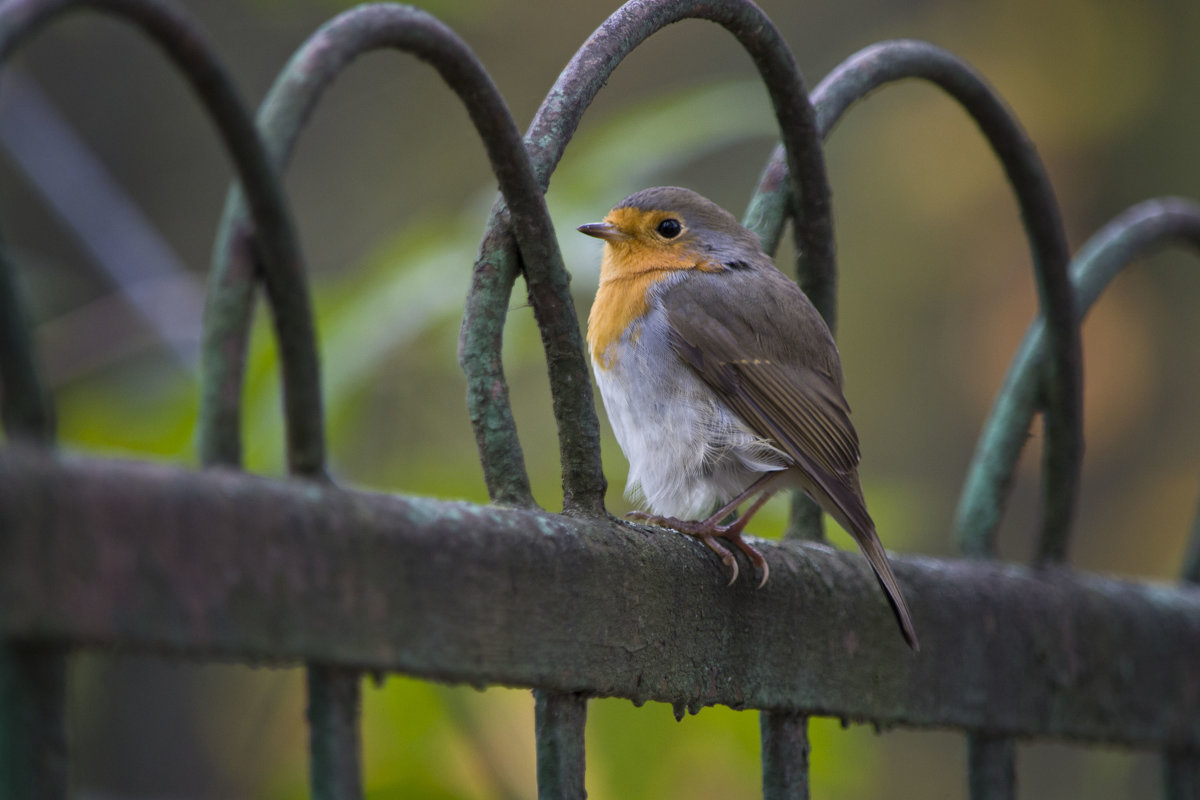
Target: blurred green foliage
391,191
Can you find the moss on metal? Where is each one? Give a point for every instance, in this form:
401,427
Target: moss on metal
278,571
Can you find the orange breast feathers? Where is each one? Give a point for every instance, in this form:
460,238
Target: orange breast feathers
628,272
619,303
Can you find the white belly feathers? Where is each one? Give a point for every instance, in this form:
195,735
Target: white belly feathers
687,454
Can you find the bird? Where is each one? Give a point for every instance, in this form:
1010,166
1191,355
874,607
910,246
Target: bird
720,379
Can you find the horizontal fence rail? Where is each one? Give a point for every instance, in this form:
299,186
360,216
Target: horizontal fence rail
272,571
217,564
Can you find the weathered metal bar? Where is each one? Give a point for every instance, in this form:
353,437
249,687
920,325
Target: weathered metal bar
1135,232
245,567
33,677
991,767
770,205
1181,776
281,263
1181,770
25,407
785,752
888,62
1191,558
559,722
334,703
33,736
479,345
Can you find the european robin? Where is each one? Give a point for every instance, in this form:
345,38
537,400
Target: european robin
720,378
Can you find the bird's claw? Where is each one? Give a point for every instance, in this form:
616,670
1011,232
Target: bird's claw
726,557
709,534
756,558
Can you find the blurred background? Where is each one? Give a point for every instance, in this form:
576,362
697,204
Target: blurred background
112,182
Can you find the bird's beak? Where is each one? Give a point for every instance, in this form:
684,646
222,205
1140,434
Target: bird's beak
602,230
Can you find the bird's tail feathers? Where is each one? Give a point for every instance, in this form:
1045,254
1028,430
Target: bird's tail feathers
851,513
869,542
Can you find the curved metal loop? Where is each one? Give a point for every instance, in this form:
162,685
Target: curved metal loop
284,112
26,408
280,257
636,21
553,126
1061,388
1141,228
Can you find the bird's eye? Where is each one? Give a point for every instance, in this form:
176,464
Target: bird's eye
669,228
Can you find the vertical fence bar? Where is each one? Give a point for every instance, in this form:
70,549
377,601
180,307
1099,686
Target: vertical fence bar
1181,776
559,722
1191,559
33,677
1181,771
25,408
785,750
334,703
33,739
991,767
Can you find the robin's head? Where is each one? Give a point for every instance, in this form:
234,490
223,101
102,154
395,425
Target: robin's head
669,228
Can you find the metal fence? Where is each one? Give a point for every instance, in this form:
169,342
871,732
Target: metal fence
97,552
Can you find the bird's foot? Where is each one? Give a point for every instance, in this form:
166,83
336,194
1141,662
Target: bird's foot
708,531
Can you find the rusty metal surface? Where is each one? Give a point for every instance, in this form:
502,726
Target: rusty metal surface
218,564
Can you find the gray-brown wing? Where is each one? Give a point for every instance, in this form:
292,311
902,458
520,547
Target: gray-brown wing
755,339
752,336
